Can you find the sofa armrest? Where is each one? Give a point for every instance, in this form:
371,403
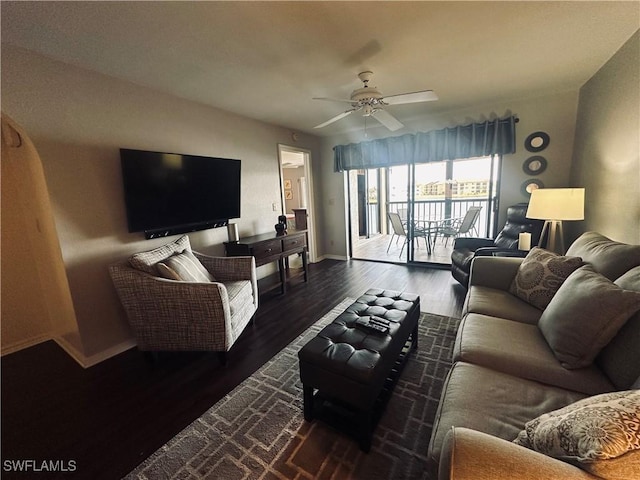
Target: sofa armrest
471,455
494,272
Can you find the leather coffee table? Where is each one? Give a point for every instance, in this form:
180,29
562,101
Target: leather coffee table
348,371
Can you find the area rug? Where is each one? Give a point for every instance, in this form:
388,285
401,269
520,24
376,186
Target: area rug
258,431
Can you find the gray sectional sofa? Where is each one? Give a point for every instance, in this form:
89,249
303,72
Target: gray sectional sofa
514,361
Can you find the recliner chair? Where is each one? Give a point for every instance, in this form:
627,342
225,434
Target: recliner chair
465,249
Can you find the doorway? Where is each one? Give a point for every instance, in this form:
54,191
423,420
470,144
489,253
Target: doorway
296,189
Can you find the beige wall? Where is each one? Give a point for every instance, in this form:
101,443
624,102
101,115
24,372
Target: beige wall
36,301
606,154
78,120
554,114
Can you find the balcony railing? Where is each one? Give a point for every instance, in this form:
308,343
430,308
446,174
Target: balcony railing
434,209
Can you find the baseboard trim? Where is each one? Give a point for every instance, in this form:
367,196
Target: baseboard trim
333,257
21,345
91,360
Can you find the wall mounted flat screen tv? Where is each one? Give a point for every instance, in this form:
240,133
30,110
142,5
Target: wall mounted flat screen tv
169,193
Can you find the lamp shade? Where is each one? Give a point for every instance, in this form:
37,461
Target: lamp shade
556,204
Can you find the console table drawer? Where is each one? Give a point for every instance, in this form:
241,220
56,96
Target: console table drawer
271,247
267,249
291,243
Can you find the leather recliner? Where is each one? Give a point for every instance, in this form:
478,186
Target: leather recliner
465,249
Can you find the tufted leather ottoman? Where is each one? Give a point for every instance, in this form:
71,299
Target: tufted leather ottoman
349,366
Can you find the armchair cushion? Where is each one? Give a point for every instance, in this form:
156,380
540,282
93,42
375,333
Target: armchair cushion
184,267
541,274
146,261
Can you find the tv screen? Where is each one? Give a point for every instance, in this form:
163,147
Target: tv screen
169,193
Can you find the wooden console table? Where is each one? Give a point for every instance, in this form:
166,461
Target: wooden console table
270,247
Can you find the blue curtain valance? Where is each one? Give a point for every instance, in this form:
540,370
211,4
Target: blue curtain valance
466,141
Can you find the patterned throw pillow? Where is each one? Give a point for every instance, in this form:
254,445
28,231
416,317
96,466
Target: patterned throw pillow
594,429
540,275
184,267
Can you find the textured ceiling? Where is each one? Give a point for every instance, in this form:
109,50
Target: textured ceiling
266,60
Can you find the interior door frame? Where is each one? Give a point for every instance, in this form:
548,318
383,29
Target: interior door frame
308,173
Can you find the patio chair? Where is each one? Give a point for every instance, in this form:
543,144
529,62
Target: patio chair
400,231
457,227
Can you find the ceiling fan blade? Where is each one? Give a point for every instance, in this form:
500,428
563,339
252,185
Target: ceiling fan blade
415,97
329,99
388,120
335,119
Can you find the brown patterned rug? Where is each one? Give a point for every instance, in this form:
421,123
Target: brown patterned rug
258,431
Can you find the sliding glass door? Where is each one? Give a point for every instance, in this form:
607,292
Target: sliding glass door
443,193
427,198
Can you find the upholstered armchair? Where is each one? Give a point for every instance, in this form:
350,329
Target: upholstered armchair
505,243
207,312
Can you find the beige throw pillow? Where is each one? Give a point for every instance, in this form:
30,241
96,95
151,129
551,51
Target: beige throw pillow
184,267
584,315
591,433
540,275
147,261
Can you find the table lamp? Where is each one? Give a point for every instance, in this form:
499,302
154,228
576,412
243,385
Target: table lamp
555,205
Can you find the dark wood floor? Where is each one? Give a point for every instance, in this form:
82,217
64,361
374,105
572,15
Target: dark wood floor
109,418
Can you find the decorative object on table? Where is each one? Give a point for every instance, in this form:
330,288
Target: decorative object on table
553,205
530,185
534,165
524,241
281,226
232,232
537,141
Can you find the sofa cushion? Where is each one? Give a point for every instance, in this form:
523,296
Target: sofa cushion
540,275
593,429
520,349
184,267
585,315
492,402
608,257
146,261
499,303
620,359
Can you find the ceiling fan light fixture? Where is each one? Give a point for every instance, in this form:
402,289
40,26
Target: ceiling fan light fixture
372,102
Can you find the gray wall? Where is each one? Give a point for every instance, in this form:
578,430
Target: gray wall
606,153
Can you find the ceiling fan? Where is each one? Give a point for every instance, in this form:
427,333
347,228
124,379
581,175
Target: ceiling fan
371,101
